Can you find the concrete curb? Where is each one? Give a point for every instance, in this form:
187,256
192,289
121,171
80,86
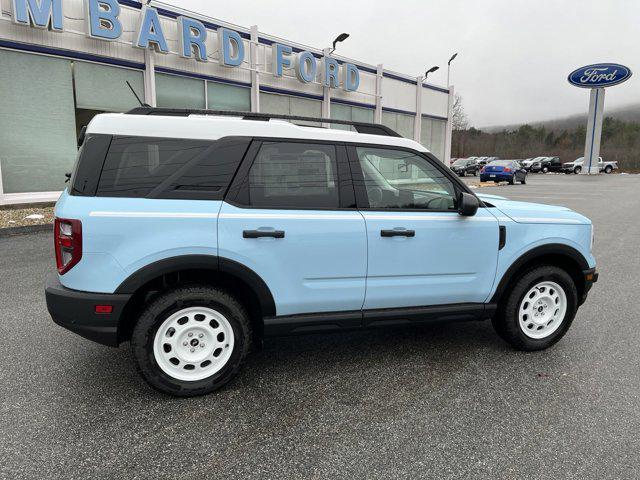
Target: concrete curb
25,230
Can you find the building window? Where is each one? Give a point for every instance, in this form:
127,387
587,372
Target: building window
222,96
103,88
432,136
38,133
348,112
399,122
174,91
290,105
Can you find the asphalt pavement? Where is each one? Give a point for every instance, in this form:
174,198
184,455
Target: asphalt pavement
441,401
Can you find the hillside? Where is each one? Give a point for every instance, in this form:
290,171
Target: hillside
630,113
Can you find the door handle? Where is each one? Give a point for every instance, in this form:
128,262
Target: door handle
262,233
397,233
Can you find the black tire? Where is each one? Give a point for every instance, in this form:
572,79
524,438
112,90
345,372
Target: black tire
462,173
512,180
545,169
608,169
506,322
162,307
577,170
475,173
524,180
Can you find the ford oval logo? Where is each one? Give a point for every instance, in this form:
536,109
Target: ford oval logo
599,75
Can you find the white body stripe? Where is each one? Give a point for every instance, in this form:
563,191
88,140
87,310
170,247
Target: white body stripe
153,214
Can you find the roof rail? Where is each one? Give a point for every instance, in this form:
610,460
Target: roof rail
360,127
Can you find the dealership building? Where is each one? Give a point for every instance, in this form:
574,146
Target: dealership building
63,61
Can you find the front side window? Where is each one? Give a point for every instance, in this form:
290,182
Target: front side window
294,175
404,180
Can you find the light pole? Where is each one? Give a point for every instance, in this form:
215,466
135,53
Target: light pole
449,67
431,70
326,90
340,38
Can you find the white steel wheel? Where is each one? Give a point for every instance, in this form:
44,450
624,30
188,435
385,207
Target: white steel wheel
193,343
542,310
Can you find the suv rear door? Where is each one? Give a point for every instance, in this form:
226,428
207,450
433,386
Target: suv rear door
290,217
421,252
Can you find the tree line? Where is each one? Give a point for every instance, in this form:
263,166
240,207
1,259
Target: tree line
620,142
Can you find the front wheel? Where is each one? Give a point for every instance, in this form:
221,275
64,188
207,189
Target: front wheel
191,340
545,169
608,169
577,170
524,180
538,310
512,180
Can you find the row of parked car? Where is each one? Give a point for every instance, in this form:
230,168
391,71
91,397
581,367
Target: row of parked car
490,169
474,165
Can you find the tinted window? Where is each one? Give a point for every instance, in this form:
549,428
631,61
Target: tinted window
86,172
138,166
401,179
294,175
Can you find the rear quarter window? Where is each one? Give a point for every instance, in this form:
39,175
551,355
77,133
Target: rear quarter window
170,167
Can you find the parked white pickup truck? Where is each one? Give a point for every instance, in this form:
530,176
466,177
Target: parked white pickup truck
576,166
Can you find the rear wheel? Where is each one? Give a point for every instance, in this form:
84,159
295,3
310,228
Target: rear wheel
512,180
538,310
191,340
524,180
577,170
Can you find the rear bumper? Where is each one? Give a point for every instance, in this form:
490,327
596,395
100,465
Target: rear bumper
490,177
75,311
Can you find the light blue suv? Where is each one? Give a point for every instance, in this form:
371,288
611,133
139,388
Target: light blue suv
195,235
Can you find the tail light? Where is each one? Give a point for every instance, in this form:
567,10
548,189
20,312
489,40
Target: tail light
482,170
507,169
67,238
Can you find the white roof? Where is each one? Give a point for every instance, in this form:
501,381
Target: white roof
210,127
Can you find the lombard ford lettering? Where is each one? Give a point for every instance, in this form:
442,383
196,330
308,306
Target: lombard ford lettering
599,75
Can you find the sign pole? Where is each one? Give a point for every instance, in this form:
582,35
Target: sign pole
594,132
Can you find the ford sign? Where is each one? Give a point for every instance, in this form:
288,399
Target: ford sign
599,75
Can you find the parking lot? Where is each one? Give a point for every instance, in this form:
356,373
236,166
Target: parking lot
441,401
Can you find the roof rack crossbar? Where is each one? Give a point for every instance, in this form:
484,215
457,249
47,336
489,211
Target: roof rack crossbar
360,127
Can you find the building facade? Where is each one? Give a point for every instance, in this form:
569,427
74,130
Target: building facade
64,61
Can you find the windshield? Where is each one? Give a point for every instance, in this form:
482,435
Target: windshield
461,162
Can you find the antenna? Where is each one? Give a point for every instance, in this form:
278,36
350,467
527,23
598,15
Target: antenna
142,104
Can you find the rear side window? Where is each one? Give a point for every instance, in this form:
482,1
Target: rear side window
294,175
169,167
86,172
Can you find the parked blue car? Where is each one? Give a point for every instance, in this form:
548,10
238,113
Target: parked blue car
504,171
194,237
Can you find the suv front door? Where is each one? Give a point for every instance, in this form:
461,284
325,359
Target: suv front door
421,252
290,217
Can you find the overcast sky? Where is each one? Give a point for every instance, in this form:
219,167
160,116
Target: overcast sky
514,55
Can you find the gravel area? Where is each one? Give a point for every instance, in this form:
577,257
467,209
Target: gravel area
20,217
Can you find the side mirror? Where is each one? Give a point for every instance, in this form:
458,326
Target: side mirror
467,204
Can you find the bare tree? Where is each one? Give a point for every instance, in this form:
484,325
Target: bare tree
459,118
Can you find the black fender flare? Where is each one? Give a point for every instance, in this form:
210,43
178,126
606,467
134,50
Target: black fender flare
201,262
537,252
